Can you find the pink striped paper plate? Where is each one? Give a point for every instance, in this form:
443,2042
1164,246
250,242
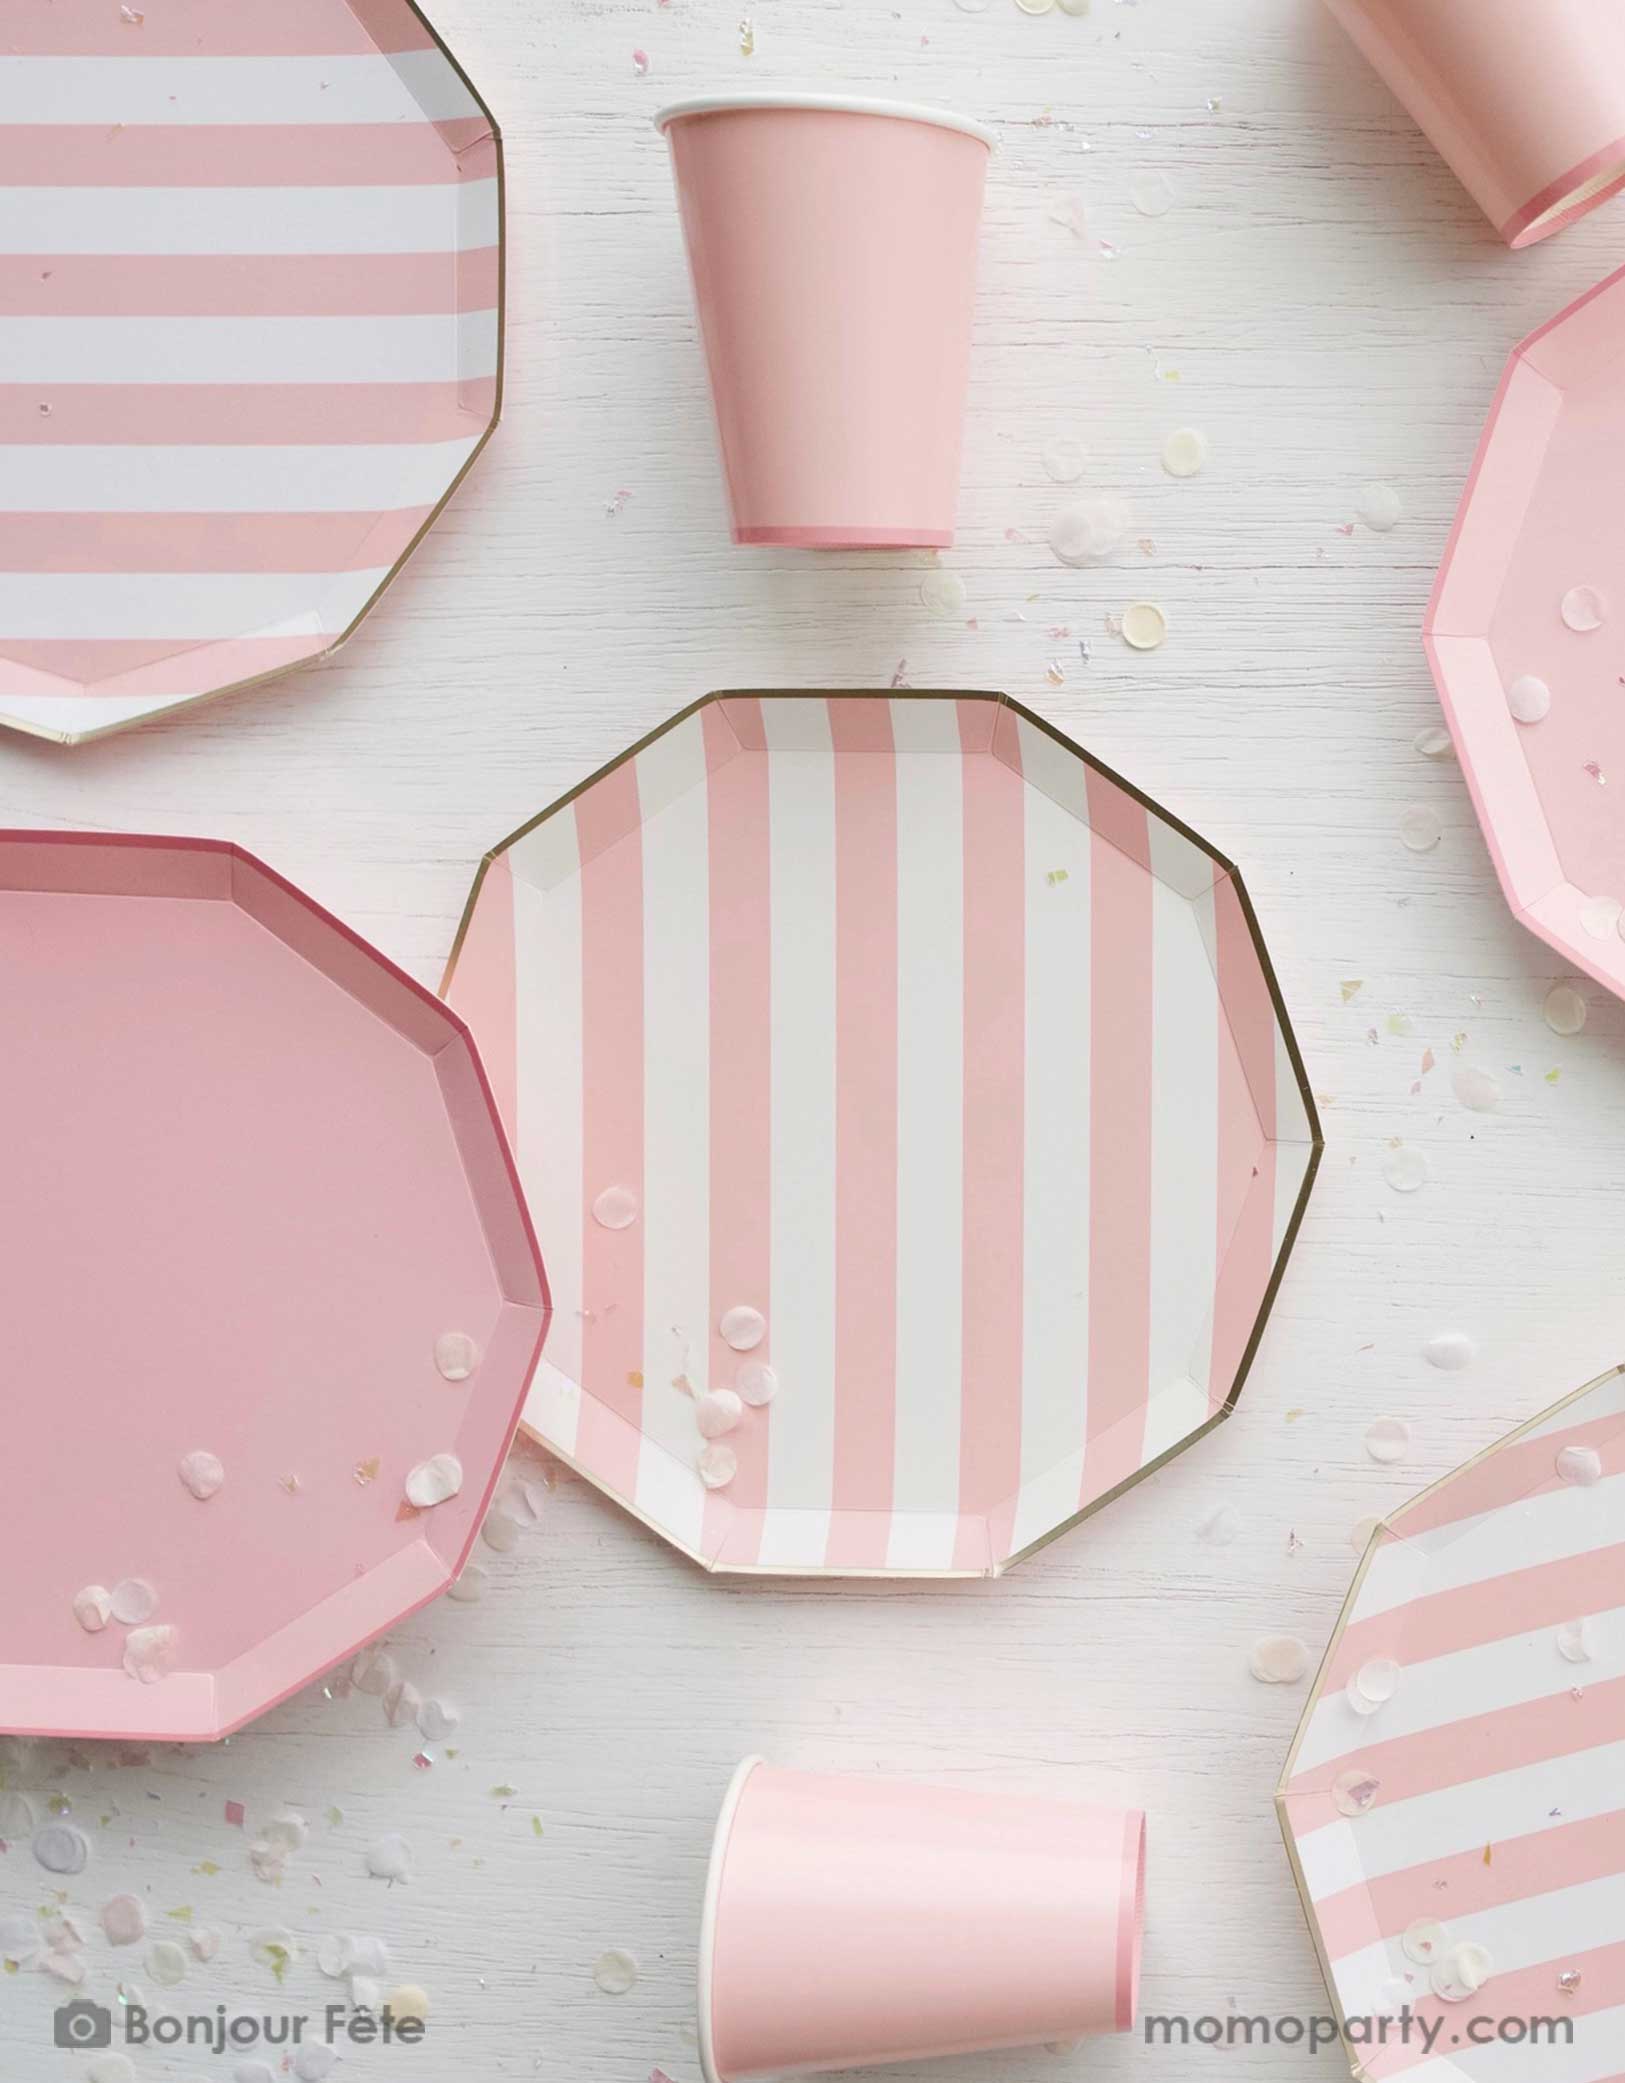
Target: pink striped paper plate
1452,1803
254,1178
903,1024
1523,633
250,337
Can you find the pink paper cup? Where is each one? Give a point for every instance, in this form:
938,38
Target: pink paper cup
851,1921
1524,98
833,249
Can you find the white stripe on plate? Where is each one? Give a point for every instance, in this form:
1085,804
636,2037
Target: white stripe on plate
676,1123
1396,1835
1055,1160
801,852
145,606
547,1006
1595,2055
1184,1135
407,87
553,1408
426,217
930,1129
368,477
1606,1400
69,715
431,347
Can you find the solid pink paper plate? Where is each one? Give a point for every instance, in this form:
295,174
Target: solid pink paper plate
1455,1781
254,1175
900,1022
1538,546
250,323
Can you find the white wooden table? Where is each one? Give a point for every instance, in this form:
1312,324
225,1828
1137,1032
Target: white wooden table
1324,301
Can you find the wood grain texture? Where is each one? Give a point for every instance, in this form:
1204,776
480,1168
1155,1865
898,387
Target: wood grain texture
1335,312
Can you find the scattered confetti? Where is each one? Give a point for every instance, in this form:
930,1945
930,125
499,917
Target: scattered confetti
469,1588
202,1474
134,1600
1153,195
1088,530
718,1465
1278,1660
943,593
1476,1090
149,1653
1144,625
756,1383
124,1920
747,38
401,1704
1380,507
1569,1980
409,2001
374,1671
1564,1009
1591,767
434,1481
742,1327
17,1818
1420,829
1529,699
93,1607
437,1720
1423,1941
616,1971
640,64
1404,1167
1388,1440
1581,1466
1064,461
1069,210
1584,609
1351,987
456,1355
1184,452
1450,1351
273,1949
1462,1974
1055,673
616,1208
389,1858
313,2063
1433,741
717,1412
166,1963
1373,1685
1353,1793
1574,1642
62,1848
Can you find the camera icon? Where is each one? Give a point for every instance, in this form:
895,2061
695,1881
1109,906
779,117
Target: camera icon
84,2024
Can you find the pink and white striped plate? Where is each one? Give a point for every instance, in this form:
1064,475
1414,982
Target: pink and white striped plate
910,1027
1484,1797
250,336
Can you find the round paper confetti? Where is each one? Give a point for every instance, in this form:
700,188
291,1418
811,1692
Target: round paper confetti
1581,1466
718,1412
469,1588
149,1652
1387,1441
92,1607
1462,1973
756,1383
1184,452
501,1532
1144,625
742,1327
401,1704
1353,1793
1153,195
1064,461
202,1474
943,593
1404,1167
1424,1941
1378,1680
616,1971
1419,828
616,1208
1278,1660
1529,699
335,1953
456,1355
434,1481
62,1848
1584,609
1574,1642
1600,916
1088,530
718,1465
1380,507
166,1963
409,2001
438,1719
1476,1090
1450,1351
134,1600
1564,1009
314,2063
124,1920
1433,741
204,1944
374,1671
389,1858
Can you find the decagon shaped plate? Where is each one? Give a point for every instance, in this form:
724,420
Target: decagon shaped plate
899,1021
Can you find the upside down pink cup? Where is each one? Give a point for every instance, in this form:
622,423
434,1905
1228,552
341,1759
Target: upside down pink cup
850,1921
1524,98
833,249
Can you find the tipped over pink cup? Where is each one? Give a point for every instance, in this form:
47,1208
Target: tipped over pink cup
832,244
851,1921
1524,98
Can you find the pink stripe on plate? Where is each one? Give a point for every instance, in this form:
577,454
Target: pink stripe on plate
229,415
238,155
1518,1994
741,1108
865,1152
159,666
212,542
216,29
1246,1199
273,285
611,842
1119,1137
995,986
1516,1471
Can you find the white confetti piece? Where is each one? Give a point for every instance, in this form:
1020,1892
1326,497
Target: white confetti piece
1433,741
434,1481
93,1608
401,1704
616,1971
1564,1009
1600,916
1380,507
1388,1440
942,593
314,2063
1581,1466
124,1920
1419,828
1036,6
1153,195
1584,609
742,1327
501,1531
1462,1973
204,1944
1088,530
756,1384
1449,1351
469,1588
1404,1167
133,1601
1360,1534
1184,452
1574,1641
616,1208
1373,1685
1144,625
717,1412
149,1653
1529,699
202,1473
389,1858
438,1719
718,1465
456,1355
1278,1660
1064,461
374,1671
166,1963
1424,1941
1354,1793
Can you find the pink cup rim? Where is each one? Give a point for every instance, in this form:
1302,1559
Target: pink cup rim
713,1897
837,104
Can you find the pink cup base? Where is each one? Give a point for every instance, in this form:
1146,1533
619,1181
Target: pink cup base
845,538
1532,223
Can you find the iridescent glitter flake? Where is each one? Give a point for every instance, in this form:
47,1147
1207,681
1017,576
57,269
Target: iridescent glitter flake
1433,741
456,1355
1388,1440
1373,1685
434,1481
1354,1793
1278,1660
1461,1973
640,64
202,1473
166,1963
1529,698
469,1588
1584,608
438,1719
616,1208
616,1971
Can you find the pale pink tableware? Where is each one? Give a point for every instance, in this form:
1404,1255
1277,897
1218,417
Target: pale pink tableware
833,249
855,1920
1452,1804
899,1021
254,1178
1523,632
1524,98
250,337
